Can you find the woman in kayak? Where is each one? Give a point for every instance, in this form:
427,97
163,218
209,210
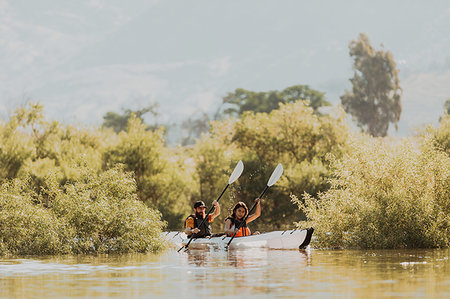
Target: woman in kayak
240,210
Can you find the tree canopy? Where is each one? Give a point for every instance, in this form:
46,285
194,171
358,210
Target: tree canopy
375,99
242,100
118,122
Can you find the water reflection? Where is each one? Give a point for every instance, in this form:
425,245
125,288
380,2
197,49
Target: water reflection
254,272
243,258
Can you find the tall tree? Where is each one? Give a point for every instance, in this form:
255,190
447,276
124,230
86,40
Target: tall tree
375,99
194,126
118,122
242,100
447,106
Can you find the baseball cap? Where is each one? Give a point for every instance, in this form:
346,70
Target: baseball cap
199,204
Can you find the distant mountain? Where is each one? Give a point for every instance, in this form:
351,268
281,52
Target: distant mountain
83,60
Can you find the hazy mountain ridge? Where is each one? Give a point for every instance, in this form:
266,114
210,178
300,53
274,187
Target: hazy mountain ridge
81,61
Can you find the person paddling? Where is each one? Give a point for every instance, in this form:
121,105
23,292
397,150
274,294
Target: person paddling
239,212
193,221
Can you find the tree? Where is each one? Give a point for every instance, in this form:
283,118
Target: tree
118,122
292,135
194,127
161,182
375,99
242,100
447,106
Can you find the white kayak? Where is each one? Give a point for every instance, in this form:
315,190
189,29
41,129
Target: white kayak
291,239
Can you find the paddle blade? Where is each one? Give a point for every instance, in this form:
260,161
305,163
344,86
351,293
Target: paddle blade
276,174
236,172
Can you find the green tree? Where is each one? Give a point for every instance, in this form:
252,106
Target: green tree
15,145
194,127
292,135
119,122
375,99
161,183
242,100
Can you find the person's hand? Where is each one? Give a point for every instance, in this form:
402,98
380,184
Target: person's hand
215,203
195,230
257,200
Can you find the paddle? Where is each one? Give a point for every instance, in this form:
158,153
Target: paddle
276,174
233,177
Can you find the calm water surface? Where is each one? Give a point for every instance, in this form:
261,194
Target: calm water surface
248,273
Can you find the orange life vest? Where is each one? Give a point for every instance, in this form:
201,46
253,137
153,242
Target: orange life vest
243,231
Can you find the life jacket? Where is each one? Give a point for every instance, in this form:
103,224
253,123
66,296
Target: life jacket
205,229
243,231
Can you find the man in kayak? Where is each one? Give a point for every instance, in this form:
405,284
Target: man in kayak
192,223
240,210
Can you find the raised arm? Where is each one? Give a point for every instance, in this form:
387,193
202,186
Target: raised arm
257,213
216,210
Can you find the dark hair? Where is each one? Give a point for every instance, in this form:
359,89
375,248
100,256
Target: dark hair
240,204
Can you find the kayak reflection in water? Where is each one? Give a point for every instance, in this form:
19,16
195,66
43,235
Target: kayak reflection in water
240,210
194,224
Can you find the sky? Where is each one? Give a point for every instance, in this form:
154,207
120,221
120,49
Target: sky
83,58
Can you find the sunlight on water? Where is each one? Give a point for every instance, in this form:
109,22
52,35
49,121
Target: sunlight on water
312,274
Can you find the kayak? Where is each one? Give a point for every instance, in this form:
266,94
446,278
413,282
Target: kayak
291,239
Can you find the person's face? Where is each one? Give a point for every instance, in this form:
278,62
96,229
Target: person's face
200,211
240,213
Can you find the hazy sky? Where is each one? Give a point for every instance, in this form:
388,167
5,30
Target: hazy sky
83,58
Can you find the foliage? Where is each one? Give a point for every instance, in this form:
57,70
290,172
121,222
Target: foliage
194,127
374,101
47,203
440,137
15,147
30,145
384,194
292,135
93,214
447,106
242,100
160,183
119,122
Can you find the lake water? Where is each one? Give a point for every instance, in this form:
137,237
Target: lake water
246,273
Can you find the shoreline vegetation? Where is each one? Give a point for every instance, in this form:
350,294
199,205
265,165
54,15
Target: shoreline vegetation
72,190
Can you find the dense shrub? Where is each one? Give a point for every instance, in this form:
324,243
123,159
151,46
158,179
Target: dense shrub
97,213
385,194
440,136
28,228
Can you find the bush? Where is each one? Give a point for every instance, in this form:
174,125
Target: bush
97,213
26,227
161,183
384,194
440,136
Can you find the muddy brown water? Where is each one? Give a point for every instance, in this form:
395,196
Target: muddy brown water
245,273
